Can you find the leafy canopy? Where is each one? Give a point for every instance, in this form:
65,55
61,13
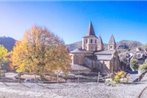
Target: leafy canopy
40,51
143,67
3,53
134,64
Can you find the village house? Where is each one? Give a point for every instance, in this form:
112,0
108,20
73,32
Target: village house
94,56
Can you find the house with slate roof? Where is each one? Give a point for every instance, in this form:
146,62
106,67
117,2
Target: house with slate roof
93,55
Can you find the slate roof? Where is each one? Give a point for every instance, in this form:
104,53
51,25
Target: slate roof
77,50
106,52
91,30
100,41
89,36
112,40
79,67
105,55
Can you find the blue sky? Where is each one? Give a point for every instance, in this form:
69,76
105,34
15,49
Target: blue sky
70,20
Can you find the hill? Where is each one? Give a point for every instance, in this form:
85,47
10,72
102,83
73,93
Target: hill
128,44
7,42
74,45
124,44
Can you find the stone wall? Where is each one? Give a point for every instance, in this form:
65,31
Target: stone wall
77,59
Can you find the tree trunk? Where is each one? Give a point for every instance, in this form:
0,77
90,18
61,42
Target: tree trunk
140,77
42,77
19,77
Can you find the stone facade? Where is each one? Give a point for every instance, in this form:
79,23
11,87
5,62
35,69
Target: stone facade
93,55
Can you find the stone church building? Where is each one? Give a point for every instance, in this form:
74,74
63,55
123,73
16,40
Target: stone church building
94,56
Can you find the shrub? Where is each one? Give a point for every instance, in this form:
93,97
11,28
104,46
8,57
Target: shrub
143,67
134,64
118,76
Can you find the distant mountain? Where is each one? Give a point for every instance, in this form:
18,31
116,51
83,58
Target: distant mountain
74,45
7,42
128,44
124,44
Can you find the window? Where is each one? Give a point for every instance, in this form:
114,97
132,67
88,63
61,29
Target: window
111,47
95,41
91,41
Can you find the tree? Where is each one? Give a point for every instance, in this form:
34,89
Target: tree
134,64
143,67
3,53
3,59
40,52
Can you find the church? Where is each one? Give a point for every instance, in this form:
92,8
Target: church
93,54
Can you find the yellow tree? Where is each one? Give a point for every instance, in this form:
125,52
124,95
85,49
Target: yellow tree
40,52
18,56
3,53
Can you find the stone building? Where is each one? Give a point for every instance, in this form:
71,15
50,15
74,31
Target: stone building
93,54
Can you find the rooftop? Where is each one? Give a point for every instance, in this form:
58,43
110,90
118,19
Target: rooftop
106,52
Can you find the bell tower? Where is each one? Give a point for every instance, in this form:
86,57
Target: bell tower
89,42
112,43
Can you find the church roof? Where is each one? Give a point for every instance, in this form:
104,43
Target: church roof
77,50
91,30
106,52
112,40
79,67
104,57
100,41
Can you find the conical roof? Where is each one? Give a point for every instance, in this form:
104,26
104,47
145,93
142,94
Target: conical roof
100,41
112,40
91,30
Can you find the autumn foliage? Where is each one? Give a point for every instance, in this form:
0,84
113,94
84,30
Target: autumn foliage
3,53
40,52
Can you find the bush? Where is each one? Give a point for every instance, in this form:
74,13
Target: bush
118,76
134,64
143,67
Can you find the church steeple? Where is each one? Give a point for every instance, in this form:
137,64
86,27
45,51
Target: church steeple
89,42
91,30
112,43
112,40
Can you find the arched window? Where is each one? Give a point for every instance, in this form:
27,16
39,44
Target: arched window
111,47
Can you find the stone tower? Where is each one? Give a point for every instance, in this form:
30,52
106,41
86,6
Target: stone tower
89,42
100,44
112,43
